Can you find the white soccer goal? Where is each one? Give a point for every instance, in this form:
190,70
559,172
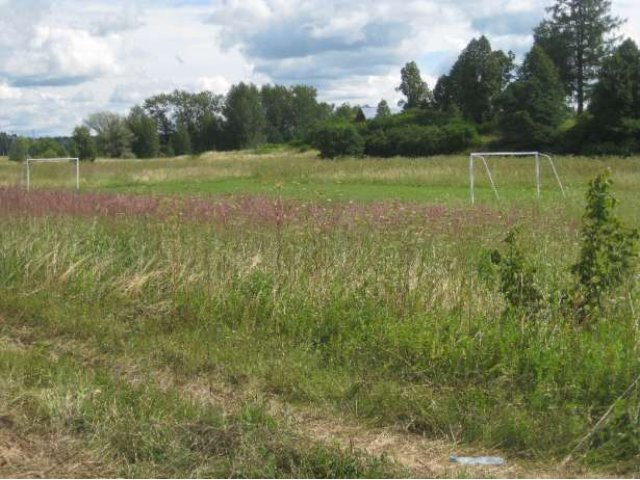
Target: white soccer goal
75,162
485,155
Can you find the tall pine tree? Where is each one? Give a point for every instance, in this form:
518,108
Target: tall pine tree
577,37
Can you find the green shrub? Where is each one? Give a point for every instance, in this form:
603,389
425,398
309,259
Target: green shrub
418,140
19,149
608,251
377,144
517,278
338,140
589,137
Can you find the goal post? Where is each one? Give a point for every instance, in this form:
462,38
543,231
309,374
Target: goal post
75,162
482,156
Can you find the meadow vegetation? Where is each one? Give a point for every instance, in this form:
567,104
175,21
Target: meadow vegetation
371,289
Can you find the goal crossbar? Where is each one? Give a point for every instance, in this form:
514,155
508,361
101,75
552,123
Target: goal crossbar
483,157
29,161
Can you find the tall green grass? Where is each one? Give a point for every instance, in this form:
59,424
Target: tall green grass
393,325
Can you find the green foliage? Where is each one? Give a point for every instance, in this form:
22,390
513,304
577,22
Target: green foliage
113,137
5,143
338,140
383,110
577,37
45,147
413,140
443,94
533,107
199,113
416,90
476,79
19,149
245,117
345,113
291,112
145,142
517,278
382,317
181,141
84,144
608,251
616,96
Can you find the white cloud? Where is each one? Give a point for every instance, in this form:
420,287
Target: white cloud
9,93
62,59
128,18
217,84
57,56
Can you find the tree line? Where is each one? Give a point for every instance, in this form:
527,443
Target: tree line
577,91
184,123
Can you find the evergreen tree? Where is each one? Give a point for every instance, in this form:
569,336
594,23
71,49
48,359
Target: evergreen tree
145,142
5,143
476,80
533,107
383,110
414,88
577,37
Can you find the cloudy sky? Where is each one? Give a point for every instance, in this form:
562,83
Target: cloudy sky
62,59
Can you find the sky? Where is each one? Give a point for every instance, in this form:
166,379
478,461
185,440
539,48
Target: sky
61,60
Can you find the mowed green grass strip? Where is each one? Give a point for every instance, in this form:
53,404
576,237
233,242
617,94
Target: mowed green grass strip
303,175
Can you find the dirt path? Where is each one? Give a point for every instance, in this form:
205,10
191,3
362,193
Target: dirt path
44,456
420,456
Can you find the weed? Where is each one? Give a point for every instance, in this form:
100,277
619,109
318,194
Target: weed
517,278
608,251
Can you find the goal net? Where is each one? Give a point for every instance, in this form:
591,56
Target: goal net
482,157
29,162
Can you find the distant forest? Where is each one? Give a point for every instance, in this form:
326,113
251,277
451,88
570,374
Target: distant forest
577,91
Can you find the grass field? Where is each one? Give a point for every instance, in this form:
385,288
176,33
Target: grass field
277,315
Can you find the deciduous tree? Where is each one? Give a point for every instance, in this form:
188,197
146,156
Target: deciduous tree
245,116
476,80
113,137
145,142
616,96
83,144
533,107
416,90
383,110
